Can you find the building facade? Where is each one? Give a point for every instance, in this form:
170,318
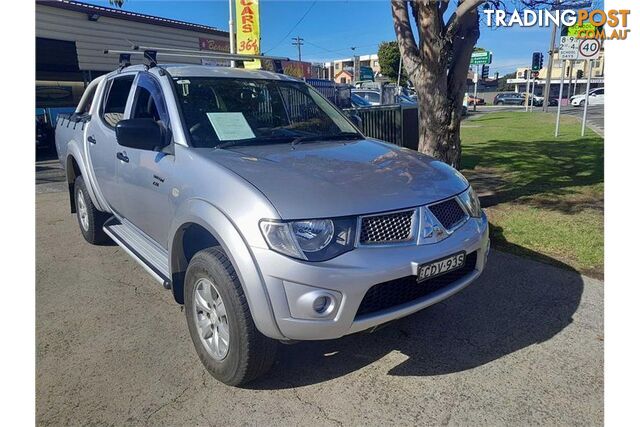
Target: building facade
71,38
575,77
333,70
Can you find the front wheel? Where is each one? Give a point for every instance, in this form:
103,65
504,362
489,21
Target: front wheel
223,332
582,103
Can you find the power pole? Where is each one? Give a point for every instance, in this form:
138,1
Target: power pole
297,41
552,48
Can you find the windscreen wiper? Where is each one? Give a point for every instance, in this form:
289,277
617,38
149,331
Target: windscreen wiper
254,141
314,138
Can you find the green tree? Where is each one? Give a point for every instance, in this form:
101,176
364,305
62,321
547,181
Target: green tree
389,60
503,86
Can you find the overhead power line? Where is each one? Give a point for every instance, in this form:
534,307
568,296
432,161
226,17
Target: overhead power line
293,28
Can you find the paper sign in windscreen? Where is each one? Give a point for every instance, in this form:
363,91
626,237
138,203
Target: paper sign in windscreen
230,126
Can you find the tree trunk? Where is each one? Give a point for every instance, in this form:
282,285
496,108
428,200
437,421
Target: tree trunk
437,119
438,67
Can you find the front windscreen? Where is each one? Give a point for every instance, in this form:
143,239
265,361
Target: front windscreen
251,111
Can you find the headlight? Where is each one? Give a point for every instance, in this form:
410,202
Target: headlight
311,240
313,235
471,202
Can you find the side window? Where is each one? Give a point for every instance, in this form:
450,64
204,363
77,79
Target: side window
148,102
116,99
373,96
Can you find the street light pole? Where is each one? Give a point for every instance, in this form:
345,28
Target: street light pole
232,32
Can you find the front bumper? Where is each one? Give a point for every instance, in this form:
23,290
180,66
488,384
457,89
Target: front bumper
352,274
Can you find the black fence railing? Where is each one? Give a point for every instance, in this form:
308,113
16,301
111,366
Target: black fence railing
396,124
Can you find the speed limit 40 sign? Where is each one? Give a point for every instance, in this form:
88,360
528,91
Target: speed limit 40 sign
588,49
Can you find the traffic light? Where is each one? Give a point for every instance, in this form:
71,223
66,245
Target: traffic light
526,74
580,74
536,61
485,72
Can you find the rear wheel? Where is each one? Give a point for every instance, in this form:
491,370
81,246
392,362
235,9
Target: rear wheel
89,217
223,332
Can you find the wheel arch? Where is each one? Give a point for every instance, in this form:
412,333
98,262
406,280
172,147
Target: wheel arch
198,225
73,171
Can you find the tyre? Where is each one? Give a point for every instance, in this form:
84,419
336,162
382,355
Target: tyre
500,103
582,103
223,332
90,219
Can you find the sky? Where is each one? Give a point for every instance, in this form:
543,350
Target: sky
330,28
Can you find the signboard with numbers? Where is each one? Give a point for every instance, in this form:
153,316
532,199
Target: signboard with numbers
574,48
568,47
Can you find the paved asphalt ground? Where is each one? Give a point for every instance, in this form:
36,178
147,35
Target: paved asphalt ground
523,345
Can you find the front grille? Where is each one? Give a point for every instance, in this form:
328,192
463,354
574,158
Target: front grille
449,213
401,291
387,228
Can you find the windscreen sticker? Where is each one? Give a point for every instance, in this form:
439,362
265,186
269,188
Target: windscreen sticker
230,126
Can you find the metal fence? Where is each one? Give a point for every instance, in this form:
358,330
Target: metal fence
397,124
339,94
394,123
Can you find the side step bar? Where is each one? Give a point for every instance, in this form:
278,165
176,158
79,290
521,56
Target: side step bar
147,254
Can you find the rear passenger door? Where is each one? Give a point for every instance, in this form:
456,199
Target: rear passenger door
145,178
597,97
101,136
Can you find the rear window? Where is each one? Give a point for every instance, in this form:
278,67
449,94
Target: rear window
116,99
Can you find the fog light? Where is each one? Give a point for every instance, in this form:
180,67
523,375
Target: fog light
308,302
321,304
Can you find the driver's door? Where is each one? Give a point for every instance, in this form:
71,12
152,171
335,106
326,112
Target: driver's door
145,177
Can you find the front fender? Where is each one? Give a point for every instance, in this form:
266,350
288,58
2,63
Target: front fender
206,215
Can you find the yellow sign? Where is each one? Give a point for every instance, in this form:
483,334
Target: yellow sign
248,30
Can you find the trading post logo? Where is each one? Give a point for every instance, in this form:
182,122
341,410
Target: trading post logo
586,24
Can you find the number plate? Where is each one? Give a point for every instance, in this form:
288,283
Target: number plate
437,268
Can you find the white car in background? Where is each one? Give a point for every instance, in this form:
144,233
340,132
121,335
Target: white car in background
596,97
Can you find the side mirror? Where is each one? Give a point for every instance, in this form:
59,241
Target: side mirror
356,120
143,134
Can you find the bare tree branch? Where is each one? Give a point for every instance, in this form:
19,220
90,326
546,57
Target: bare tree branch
404,34
464,7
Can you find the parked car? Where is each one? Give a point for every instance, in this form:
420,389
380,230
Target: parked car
358,101
374,98
596,97
473,100
264,209
508,98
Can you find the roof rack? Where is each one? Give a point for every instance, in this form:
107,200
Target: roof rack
199,53
151,53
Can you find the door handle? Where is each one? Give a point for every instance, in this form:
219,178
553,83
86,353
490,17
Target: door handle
121,155
91,139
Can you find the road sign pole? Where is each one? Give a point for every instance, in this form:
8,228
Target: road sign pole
560,99
533,92
586,97
526,93
475,89
570,78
